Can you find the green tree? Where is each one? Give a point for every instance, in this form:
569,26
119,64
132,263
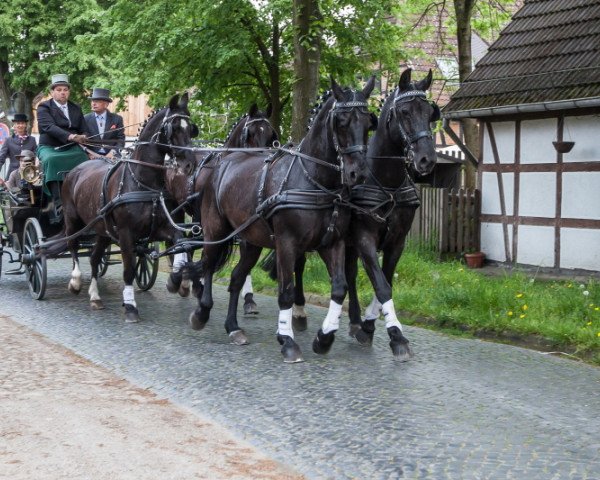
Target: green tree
36,41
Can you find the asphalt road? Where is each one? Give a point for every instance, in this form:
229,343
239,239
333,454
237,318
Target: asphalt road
460,409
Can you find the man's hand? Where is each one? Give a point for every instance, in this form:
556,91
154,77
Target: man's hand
78,138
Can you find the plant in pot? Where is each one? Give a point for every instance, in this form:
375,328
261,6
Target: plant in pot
474,258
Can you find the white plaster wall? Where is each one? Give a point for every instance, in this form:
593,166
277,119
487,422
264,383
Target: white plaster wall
492,241
535,246
580,248
490,194
584,131
536,141
504,133
537,194
581,195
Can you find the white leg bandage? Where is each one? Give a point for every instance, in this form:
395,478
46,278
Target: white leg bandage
372,311
389,313
247,288
75,281
128,296
179,260
93,291
284,326
332,320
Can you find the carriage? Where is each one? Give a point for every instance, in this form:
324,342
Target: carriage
26,231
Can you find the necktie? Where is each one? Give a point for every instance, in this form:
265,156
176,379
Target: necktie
65,110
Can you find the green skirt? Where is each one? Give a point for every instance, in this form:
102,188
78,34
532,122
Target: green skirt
56,163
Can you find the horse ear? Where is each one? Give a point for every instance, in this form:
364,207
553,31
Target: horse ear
404,82
183,103
269,110
174,102
253,110
338,93
436,114
369,86
425,84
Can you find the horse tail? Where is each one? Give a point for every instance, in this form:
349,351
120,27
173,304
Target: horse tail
59,244
269,265
224,255
195,270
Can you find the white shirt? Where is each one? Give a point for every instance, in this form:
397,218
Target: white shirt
65,110
101,122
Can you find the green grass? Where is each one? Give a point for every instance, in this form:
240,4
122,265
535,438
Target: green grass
517,307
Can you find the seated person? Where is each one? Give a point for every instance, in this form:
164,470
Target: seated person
62,127
15,181
105,126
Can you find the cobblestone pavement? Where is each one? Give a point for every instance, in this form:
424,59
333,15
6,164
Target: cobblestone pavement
461,409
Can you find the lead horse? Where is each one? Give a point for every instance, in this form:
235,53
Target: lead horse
387,203
290,201
123,201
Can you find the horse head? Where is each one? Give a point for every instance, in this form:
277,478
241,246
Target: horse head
253,130
408,116
349,122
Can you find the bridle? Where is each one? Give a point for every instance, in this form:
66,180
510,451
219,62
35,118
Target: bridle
409,140
166,129
247,123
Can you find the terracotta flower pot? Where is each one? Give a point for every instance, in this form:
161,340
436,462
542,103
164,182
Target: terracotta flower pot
475,259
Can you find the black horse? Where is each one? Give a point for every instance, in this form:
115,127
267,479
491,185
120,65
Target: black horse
253,130
387,203
127,197
290,201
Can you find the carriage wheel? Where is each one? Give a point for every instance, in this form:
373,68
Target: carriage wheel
146,267
35,264
104,262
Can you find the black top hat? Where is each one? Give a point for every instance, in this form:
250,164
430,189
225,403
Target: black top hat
20,117
101,94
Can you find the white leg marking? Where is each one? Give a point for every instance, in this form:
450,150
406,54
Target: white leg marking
93,291
389,314
332,320
128,296
284,326
299,311
75,281
247,288
372,311
179,260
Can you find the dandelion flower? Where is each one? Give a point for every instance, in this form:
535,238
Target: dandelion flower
597,309
519,295
525,307
461,269
598,334
581,285
585,293
523,315
591,305
588,323
510,313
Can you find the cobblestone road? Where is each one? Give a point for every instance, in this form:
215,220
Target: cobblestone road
461,409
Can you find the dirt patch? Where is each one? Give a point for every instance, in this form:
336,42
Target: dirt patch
65,417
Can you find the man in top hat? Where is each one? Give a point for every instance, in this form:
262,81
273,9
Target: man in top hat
62,128
19,141
104,127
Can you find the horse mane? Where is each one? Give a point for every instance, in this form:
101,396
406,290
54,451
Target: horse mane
321,101
152,114
234,126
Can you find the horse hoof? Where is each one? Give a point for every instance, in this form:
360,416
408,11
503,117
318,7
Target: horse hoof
196,322
323,342
238,338
299,323
74,290
353,329
250,307
174,281
400,345
131,314
289,349
184,291
97,305
365,335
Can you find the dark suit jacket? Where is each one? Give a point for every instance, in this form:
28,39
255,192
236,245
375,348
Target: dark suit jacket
54,127
114,133
13,146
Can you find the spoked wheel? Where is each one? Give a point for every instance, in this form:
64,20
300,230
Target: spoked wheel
104,262
35,263
146,267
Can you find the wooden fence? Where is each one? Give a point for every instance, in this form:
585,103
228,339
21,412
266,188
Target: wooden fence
448,219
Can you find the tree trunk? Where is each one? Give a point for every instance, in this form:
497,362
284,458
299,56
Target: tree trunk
307,59
274,78
464,10
5,92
